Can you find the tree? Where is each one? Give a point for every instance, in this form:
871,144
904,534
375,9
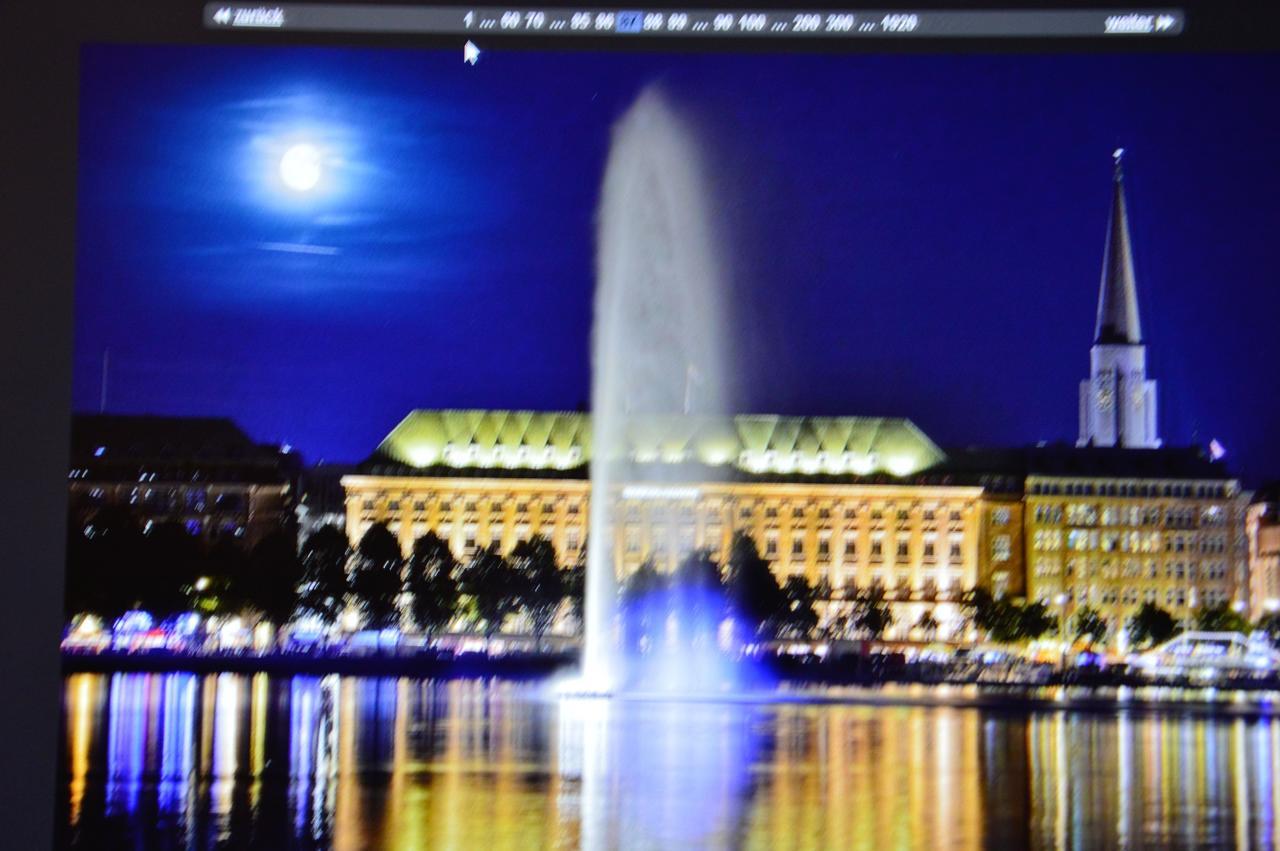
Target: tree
696,596
102,555
576,585
1032,621
753,591
375,578
928,624
1220,618
643,605
1151,625
269,580
1270,624
984,610
1090,625
491,584
871,615
169,562
798,618
432,583
543,583
1007,622
323,589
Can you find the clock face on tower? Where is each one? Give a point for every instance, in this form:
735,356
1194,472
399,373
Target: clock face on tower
1104,392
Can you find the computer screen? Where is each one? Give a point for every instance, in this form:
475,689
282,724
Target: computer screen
668,428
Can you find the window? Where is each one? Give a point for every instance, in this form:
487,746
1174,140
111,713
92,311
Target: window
797,547
877,548
771,547
1000,517
1001,548
824,549
955,548
1079,539
903,545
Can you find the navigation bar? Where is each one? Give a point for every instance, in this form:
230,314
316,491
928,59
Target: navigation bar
696,23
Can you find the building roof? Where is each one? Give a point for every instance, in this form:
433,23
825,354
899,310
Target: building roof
115,447
1089,462
1118,320
431,442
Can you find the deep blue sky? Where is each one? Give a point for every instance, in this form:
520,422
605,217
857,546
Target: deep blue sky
917,236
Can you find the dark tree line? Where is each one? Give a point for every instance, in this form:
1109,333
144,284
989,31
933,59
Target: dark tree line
700,593
114,565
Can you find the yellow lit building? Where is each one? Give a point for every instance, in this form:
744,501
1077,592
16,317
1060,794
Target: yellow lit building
849,501
1115,528
1262,529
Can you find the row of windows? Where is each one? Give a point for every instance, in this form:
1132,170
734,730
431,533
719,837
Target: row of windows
745,512
902,548
1172,598
171,500
470,506
1088,514
1172,571
1184,490
1084,540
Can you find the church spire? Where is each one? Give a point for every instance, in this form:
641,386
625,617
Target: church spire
1118,321
1118,401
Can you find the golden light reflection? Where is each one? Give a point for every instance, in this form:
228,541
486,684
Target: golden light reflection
80,720
406,763
226,730
257,734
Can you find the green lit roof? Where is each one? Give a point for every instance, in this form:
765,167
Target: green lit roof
753,443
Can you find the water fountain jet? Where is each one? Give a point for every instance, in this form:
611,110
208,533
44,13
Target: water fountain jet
657,339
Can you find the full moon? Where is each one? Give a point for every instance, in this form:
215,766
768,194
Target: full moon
300,167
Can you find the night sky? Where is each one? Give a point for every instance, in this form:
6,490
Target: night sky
915,236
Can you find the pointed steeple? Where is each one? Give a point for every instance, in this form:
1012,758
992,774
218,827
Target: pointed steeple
1118,321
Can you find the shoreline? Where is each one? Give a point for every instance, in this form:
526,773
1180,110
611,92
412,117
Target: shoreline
850,681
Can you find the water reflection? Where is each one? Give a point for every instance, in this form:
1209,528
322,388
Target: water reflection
179,761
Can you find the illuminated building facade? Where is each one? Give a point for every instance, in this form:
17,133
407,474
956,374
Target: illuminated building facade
203,473
1262,529
1109,528
1114,529
849,502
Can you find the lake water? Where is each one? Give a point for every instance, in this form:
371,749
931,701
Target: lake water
169,761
